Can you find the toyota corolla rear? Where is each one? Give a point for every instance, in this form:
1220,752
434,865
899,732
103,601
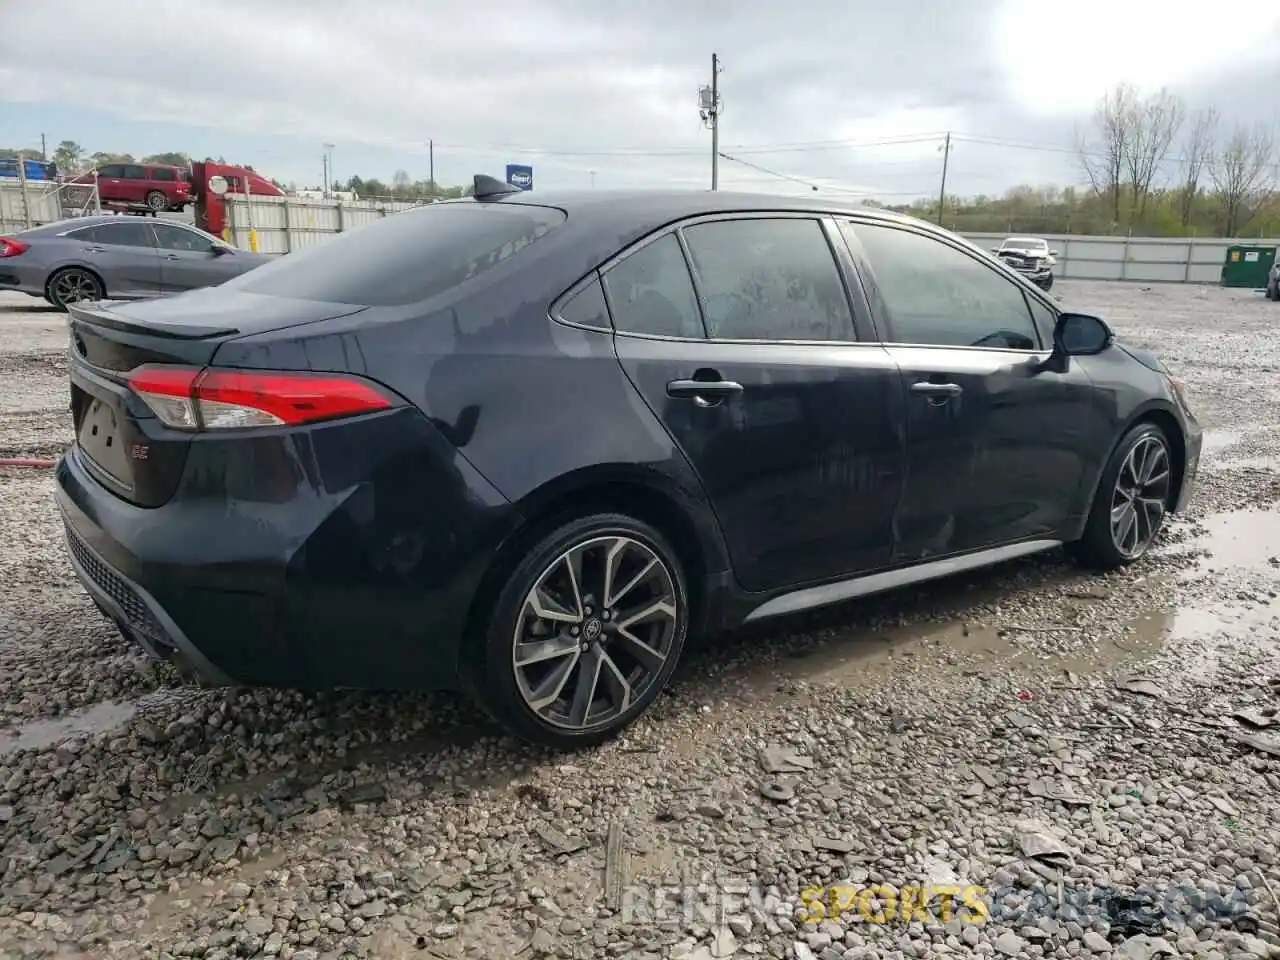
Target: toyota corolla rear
264,526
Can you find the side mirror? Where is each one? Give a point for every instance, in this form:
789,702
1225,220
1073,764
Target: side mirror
1081,335
995,249
220,251
1053,253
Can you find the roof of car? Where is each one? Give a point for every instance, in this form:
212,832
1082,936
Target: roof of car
75,223
626,204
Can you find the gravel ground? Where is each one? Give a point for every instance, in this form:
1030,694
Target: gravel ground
1085,762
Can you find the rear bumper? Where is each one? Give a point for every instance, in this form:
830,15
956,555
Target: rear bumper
361,578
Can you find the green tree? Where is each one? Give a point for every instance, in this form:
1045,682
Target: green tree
67,155
172,159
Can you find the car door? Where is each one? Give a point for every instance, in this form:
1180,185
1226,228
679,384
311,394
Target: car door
739,334
188,261
133,182
124,254
998,440
110,185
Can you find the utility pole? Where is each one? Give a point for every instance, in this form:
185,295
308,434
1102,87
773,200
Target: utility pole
328,153
324,184
709,107
44,154
942,193
431,154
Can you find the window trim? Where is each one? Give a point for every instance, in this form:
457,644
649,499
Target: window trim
861,319
871,286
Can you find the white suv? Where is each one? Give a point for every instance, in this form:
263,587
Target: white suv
1031,257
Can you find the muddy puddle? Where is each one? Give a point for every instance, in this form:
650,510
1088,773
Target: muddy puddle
88,723
1244,539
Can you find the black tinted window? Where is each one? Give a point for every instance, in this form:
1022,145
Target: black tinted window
405,258
132,172
113,171
175,238
126,233
586,307
651,292
934,294
768,280
163,173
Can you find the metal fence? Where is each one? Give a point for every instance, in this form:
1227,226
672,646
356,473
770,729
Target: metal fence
285,224
1145,259
33,203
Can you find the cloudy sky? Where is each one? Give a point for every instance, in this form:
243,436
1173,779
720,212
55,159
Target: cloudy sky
853,96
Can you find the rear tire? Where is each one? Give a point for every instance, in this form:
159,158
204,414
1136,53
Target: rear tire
157,201
71,285
1131,502
584,634
1047,284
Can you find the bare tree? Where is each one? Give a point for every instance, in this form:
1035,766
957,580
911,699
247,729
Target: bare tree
1155,123
1104,161
1242,173
1197,151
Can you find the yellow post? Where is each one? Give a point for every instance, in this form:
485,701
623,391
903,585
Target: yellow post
253,240
226,234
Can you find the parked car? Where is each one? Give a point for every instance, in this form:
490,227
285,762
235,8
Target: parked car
1031,257
158,186
1273,280
524,444
121,257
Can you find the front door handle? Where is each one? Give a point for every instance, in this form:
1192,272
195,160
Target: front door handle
705,393
938,390
172,256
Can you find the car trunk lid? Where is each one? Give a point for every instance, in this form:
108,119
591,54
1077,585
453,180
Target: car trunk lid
118,437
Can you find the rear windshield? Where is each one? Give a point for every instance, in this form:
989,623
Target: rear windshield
406,258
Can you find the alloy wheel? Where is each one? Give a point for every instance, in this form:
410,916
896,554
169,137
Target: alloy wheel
1140,497
71,286
595,632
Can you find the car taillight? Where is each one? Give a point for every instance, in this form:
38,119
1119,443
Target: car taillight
194,399
10,247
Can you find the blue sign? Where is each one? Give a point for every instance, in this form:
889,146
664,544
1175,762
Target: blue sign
520,176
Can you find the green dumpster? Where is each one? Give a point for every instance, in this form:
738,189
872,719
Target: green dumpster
1247,266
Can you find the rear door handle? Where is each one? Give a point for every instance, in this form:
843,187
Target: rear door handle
705,393
940,390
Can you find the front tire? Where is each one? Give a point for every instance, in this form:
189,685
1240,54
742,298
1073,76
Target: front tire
1047,283
157,201
1131,503
584,634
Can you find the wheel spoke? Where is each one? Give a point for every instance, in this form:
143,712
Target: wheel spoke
584,691
614,680
540,651
1128,520
546,607
631,584
645,654
549,691
662,607
573,563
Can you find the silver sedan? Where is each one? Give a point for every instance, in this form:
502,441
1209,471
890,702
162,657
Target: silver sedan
118,258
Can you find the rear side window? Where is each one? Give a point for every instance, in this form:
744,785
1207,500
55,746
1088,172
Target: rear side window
406,258
126,233
132,172
586,308
769,279
651,292
163,173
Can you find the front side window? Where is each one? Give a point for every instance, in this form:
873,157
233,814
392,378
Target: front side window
134,172
406,258
933,294
769,279
112,171
650,292
176,238
126,233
